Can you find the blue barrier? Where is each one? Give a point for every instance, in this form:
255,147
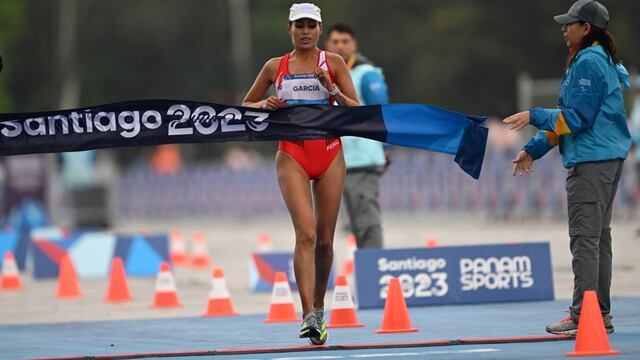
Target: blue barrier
456,275
92,253
264,266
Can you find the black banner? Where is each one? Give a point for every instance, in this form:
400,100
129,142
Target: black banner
155,122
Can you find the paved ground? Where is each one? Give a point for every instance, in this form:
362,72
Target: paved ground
248,331
232,240
53,328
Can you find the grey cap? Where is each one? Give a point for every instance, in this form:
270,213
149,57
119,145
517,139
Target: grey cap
589,11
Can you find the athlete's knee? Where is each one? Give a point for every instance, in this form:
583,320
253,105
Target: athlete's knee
324,246
306,239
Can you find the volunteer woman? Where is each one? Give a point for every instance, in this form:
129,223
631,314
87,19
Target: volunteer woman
590,126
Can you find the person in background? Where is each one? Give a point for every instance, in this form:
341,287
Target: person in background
590,125
365,159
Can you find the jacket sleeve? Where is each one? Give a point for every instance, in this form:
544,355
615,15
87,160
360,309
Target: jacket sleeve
374,89
578,111
541,143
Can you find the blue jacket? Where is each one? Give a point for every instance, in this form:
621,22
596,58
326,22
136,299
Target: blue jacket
590,123
361,153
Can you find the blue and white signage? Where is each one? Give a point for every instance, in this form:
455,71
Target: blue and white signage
456,275
264,266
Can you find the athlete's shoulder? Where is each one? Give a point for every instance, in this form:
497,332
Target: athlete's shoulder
270,68
274,62
334,59
333,56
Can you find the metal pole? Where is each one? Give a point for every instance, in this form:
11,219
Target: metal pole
240,27
69,97
67,66
525,91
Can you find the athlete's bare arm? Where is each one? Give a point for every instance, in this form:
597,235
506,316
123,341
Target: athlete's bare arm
347,95
261,85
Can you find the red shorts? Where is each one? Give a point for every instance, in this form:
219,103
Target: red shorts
315,156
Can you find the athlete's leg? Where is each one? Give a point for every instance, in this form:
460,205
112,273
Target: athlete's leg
327,193
296,191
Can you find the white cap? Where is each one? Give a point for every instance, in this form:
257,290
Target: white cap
304,11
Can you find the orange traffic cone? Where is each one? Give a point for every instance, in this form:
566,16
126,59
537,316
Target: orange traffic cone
264,243
282,309
200,259
10,275
118,289
396,316
219,298
166,295
68,286
348,264
592,337
343,312
431,243
177,248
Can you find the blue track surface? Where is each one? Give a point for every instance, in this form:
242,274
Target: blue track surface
435,323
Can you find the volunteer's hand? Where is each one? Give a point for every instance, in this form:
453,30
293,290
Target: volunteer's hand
522,164
518,121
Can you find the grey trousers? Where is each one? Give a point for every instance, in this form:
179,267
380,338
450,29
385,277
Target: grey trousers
591,188
361,199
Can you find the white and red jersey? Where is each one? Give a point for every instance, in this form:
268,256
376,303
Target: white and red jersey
302,89
314,156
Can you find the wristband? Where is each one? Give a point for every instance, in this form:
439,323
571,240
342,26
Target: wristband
335,91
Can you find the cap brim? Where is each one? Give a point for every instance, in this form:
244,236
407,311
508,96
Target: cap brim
565,19
305,16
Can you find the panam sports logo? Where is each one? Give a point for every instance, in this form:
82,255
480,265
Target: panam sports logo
495,273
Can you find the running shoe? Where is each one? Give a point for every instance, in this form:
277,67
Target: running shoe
323,328
309,328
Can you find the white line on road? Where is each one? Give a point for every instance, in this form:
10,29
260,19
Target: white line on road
403,354
385,355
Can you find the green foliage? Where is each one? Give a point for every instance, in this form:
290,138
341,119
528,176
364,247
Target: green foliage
459,54
11,28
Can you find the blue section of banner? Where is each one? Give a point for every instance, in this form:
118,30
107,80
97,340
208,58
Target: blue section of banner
423,127
431,128
456,275
470,155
